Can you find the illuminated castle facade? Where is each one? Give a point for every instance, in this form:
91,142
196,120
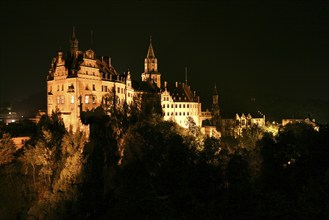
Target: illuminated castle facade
79,81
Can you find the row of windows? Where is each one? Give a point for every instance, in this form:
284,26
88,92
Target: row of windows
61,99
180,105
93,87
88,99
58,86
179,113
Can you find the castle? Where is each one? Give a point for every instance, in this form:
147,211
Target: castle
79,82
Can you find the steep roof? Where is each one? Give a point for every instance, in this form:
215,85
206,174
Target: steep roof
181,92
150,52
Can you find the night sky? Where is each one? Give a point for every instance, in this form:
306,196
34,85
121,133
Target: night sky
274,49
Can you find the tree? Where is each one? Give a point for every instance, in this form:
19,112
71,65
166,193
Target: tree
7,150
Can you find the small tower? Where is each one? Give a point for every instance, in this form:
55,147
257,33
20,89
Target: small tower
151,67
74,43
216,111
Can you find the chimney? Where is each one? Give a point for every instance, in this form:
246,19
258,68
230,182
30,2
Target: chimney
165,84
176,84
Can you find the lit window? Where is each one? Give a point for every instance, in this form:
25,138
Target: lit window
62,99
86,99
58,99
72,99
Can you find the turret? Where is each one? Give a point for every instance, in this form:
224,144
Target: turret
74,43
151,67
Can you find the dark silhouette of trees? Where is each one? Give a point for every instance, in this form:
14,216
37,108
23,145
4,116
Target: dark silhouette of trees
136,167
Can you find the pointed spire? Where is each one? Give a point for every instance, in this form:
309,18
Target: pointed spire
215,90
73,33
150,52
73,42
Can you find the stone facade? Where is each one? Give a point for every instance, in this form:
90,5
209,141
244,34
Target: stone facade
79,82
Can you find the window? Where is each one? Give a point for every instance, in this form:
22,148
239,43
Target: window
62,87
118,90
187,113
167,105
58,99
57,87
180,105
86,99
184,106
188,105
87,88
94,88
172,106
184,113
175,113
122,91
180,113
94,99
175,105
72,99
62,99
163,106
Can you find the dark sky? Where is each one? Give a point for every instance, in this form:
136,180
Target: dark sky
273,49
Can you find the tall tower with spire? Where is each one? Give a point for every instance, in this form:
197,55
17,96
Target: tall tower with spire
151,67
74,43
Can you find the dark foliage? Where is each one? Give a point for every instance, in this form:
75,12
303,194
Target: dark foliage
146,168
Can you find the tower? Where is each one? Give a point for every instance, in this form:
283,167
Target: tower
74,43
216,111
151,67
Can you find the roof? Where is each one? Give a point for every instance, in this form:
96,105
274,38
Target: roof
145,86
181,92
150,52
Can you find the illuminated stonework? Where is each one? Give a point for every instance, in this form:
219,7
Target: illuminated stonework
80,82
